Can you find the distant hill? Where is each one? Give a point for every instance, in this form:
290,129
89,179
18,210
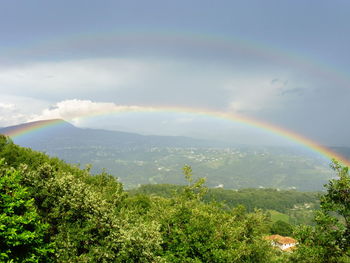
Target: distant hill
138,159
296,207
67,135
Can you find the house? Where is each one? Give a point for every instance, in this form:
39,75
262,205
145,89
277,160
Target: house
281,242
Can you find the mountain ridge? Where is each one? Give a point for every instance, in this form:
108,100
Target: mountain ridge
80,136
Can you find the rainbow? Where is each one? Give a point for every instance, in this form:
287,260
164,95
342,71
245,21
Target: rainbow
218,43
32,127
190,40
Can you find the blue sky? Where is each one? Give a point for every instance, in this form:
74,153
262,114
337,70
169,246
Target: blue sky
281,62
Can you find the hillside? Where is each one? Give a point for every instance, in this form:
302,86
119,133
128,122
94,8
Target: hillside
63,214
290,206
54,212
136,159
65,135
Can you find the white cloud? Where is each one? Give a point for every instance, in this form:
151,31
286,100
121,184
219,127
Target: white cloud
6,106
255,93
17,109
251,94
75,109
9,115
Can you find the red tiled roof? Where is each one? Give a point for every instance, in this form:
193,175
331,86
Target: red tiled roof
281,239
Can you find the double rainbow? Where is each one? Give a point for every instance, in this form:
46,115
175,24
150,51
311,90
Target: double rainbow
191,41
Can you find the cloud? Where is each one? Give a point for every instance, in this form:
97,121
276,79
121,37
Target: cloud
151,120
149,82
140,119
6,106
9,115
18,109
75,109
69,78
255,93
184,120
107,85
295,91
136,82
284,89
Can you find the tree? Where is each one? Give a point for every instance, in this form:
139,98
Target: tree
22,232
281,228
193,231
329,240
85,225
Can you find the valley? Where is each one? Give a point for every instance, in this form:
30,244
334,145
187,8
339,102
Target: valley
138,159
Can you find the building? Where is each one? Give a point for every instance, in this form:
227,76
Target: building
281,242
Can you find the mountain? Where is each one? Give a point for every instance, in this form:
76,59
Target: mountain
59,133
138,159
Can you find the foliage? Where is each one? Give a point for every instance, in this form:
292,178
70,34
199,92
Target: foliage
329,240
22,232
281,228
84,224
279,200
84,213
288,205
193,231
52,211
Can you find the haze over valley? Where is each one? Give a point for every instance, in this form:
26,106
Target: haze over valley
138,159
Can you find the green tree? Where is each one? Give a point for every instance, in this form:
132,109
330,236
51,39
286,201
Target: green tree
22,233
193,231
281,228
329,240
85,225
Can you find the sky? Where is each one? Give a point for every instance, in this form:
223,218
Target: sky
285,63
